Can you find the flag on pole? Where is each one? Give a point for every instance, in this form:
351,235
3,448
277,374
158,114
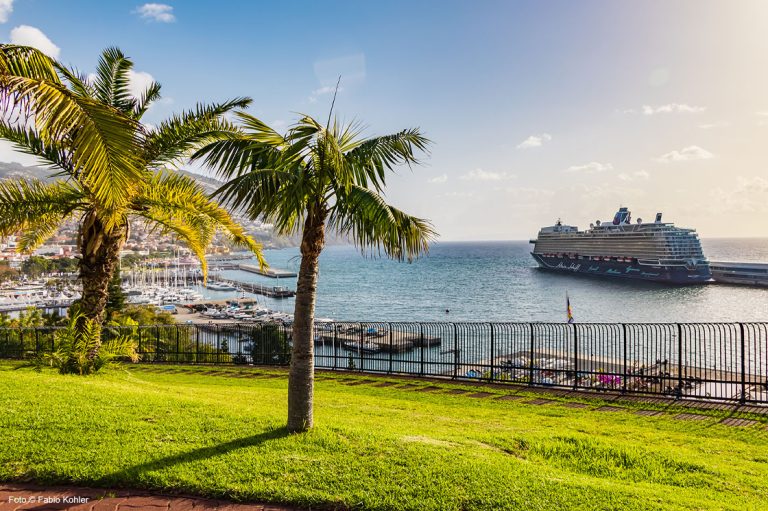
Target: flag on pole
568,309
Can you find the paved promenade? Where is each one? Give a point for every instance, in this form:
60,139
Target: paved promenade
30,497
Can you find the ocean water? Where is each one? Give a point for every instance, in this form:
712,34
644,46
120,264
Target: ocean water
499,281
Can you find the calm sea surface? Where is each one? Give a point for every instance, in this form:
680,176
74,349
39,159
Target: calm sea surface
499,281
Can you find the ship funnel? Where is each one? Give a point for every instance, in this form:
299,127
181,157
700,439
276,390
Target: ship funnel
658,218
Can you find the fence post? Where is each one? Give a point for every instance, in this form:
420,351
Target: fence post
493,351
360,349
421,338
679,393
335,349
530,361
178,357
455,350
157,342
576,357
624,367
391,348
743,398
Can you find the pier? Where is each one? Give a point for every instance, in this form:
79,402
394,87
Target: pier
275,273
394,341
259,289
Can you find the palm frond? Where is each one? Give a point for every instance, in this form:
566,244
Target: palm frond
113,79
372,224
27,140
181,198
27,62
77,82
33,206
183,133
142,103
38,230
165,223
370,159
272,194
103,144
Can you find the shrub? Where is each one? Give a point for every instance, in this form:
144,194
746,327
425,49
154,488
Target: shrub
269,345
77,348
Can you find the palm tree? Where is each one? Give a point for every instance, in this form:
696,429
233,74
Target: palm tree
312,179
110,167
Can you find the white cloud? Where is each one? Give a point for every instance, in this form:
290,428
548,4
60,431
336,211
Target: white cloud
750,195
483,175
439,179
693,152
31,36
712,125
680,108
634,176
605,193
6,8
458,195
322,91
535,141
590,168
162,13
138,81
530,193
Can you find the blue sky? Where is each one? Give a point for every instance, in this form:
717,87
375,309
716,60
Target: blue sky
537,109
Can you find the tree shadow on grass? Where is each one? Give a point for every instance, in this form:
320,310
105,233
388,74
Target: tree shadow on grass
130,476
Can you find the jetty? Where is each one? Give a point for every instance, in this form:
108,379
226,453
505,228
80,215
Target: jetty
275,273
259,289
747,274
379,341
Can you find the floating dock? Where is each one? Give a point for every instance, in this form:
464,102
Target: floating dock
395,341
275,273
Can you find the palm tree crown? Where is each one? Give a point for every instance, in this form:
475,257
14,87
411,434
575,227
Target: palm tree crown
313,177
321,172
110,166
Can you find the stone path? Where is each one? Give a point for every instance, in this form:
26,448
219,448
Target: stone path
36,498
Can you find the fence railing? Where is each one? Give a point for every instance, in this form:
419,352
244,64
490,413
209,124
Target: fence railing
720,361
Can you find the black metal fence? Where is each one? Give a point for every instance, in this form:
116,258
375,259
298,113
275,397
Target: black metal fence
720,361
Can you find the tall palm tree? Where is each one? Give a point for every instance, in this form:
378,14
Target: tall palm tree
312,179
110,166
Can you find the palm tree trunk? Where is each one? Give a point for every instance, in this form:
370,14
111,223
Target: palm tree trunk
301,378
99,252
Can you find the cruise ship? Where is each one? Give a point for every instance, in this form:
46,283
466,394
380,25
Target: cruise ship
655,251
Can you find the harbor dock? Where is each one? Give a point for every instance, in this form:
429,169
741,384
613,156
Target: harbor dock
394,341
259,289
275,273
749,274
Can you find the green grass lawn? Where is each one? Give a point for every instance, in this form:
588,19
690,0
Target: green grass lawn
373,447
